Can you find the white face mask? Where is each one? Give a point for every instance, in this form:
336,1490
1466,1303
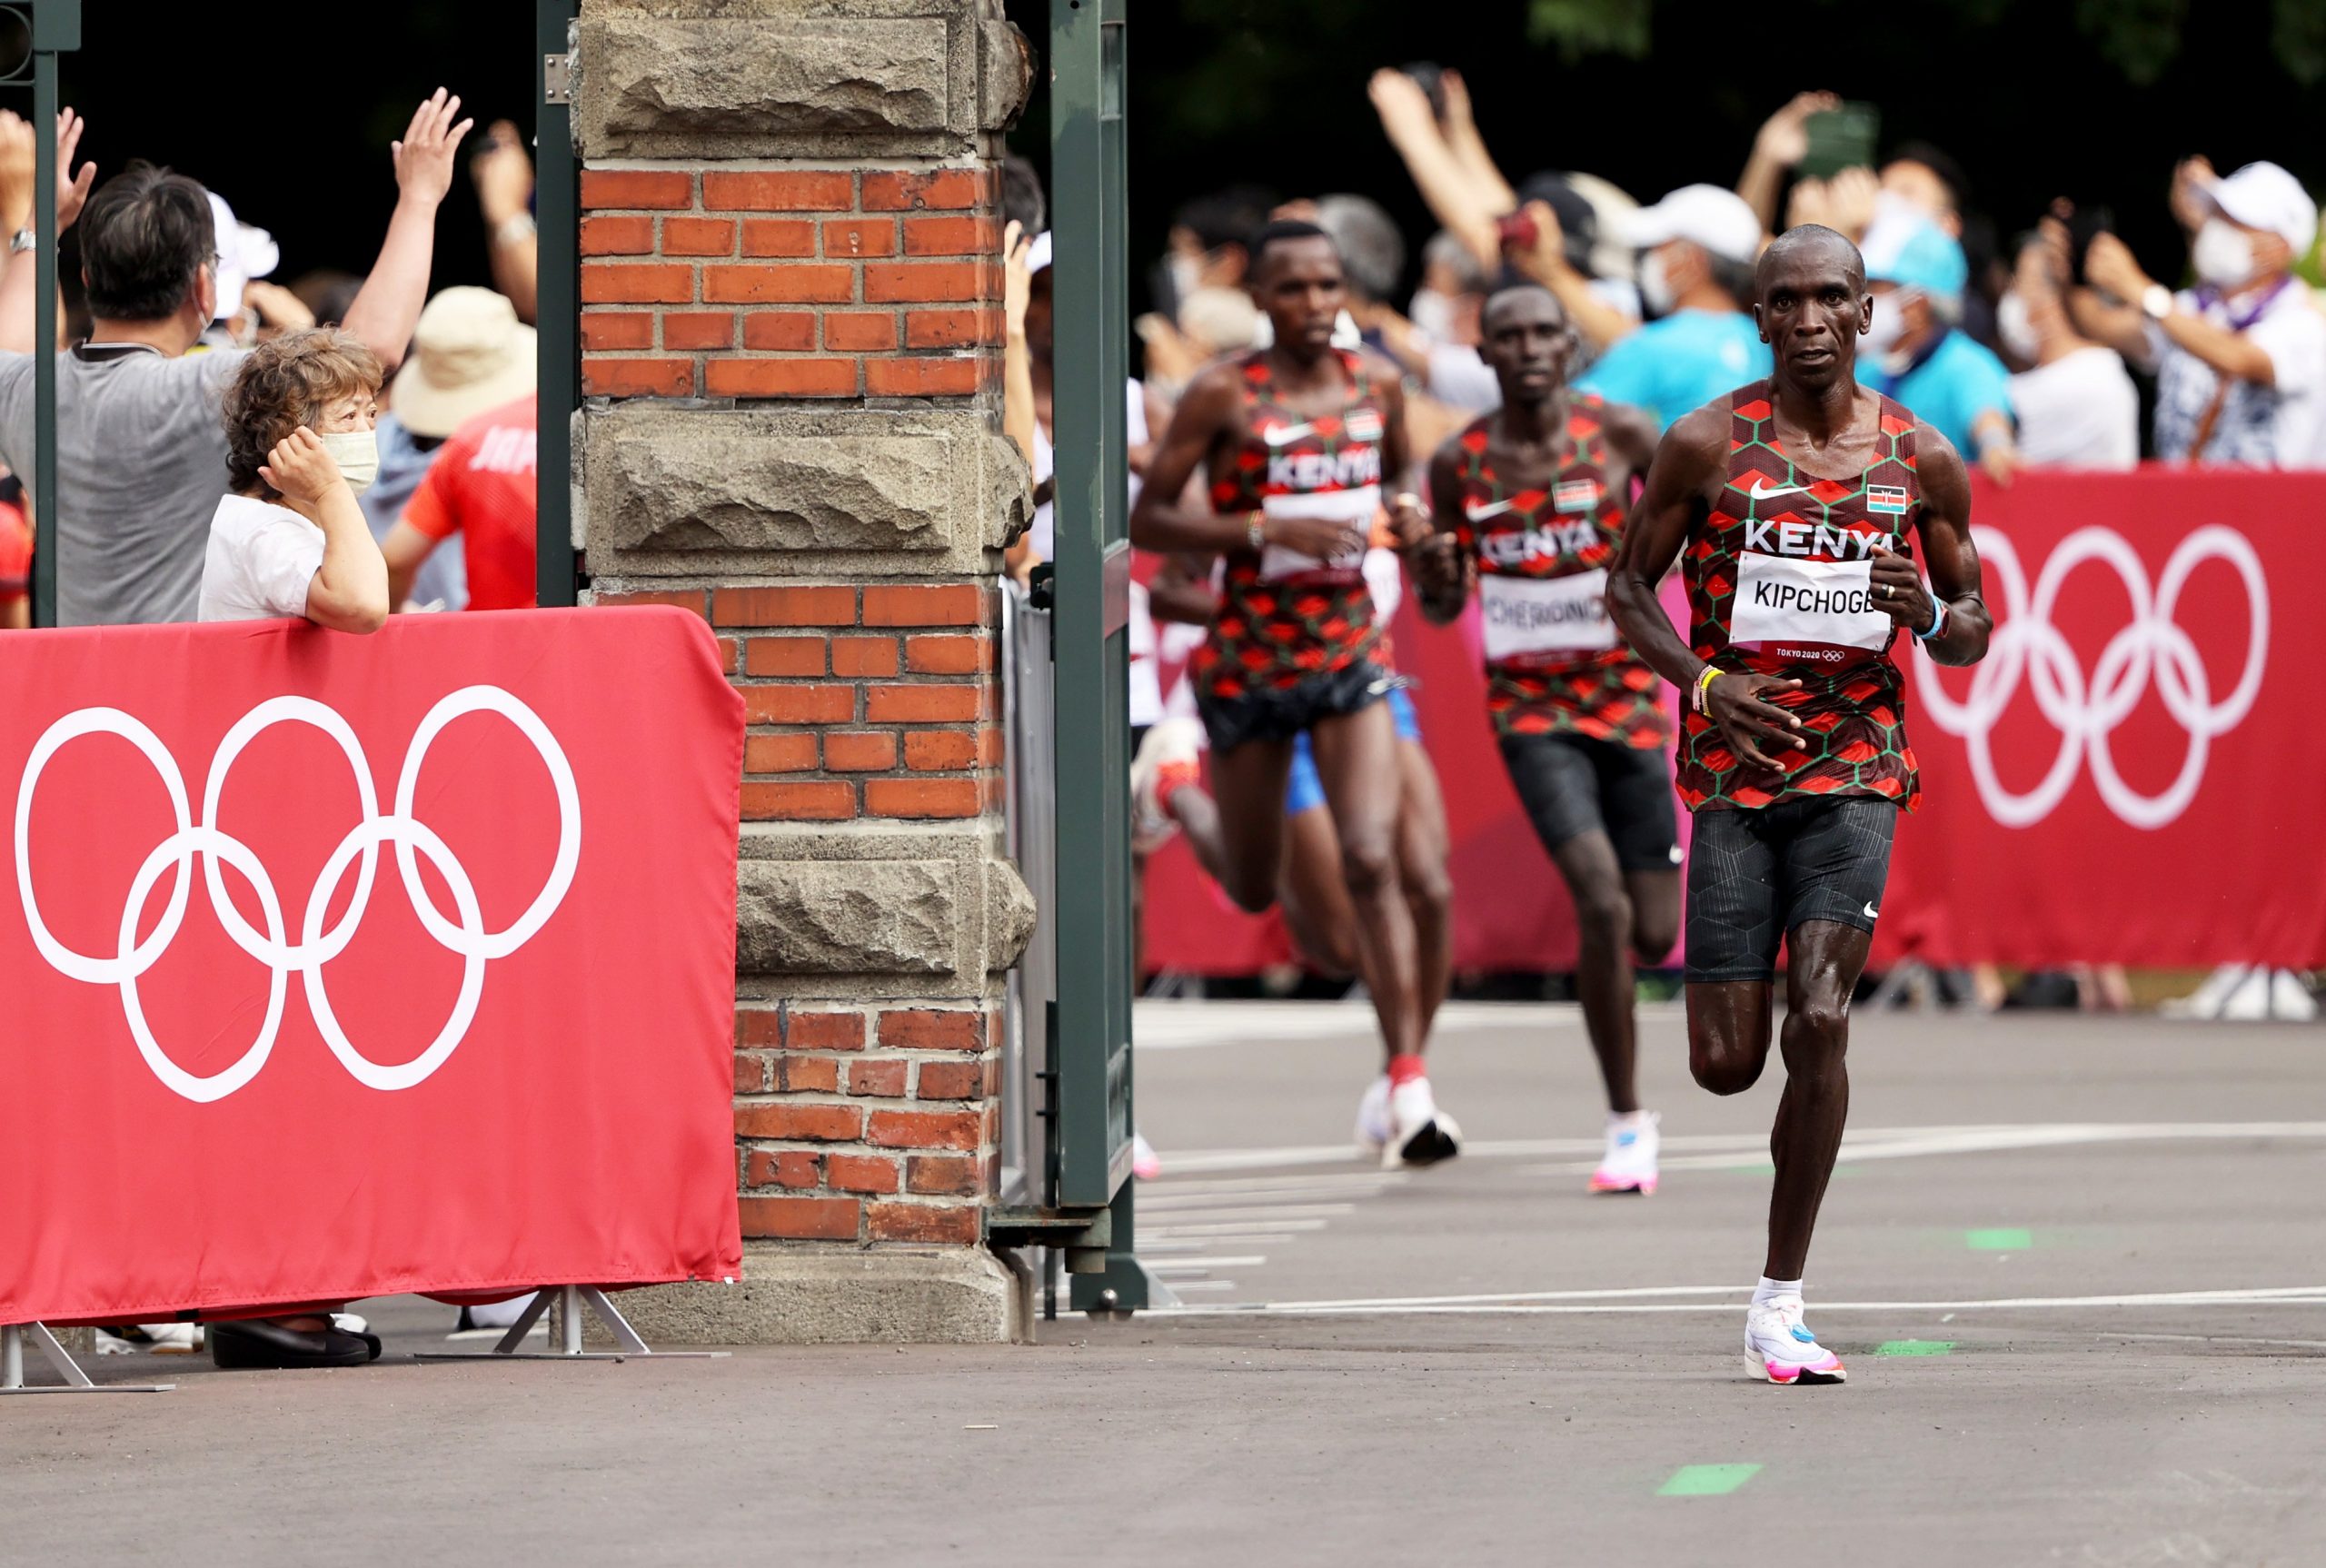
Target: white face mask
1656,285
1889,323
2224,254
1433,312
2016,331
357,454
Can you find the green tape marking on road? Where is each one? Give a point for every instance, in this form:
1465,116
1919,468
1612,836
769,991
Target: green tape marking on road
1707,1480
1998,1240
1915,1347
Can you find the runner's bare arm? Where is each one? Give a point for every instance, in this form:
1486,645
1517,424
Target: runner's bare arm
1181,591
1444,572
1396,441
1954,561
1690,463
1207,417
1631,437
1210,416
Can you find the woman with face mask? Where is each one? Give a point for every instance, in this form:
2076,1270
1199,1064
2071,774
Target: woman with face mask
2240,359
2076,403
289,538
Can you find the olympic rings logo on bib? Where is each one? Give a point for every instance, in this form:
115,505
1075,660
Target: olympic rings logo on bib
2086,711
465,936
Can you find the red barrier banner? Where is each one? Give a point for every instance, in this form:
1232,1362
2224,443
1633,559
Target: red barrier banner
347,966
2133,775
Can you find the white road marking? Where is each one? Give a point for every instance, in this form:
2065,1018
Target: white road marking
2216,1339
1238,1227
1168,1214
1181,1286
1863,1143
1522,1306
1181,1026
1205,1265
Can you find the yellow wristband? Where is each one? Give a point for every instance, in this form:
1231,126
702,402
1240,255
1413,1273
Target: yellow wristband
1703,684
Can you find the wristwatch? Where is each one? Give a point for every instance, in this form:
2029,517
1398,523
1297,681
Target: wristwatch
2156,302
22,240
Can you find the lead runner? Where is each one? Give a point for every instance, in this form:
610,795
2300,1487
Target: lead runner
1794,499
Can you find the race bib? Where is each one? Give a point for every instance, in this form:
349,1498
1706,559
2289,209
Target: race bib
1530,615
1356,506
1783,598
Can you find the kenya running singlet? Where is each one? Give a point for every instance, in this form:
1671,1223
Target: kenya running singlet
1283,617
1553,660
1778,583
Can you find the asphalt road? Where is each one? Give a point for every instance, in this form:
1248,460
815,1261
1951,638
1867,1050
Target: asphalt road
2076,1268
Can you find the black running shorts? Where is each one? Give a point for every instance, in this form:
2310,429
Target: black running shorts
1573,784
1754,875
1279,713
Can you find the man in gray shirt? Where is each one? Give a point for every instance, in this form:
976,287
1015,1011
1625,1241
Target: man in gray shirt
141,451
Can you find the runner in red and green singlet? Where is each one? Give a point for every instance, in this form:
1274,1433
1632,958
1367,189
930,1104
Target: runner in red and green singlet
1297,440
1793,504
1529,503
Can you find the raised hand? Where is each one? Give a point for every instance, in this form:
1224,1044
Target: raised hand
300,467
73,187
503,172
1783,137
424,157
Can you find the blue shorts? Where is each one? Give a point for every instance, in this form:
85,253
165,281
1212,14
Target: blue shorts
1304,791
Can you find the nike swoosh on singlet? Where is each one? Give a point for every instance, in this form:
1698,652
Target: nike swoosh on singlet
1286,434
1872,913
1761,491
1492,509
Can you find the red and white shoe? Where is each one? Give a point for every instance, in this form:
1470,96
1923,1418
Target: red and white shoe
1629,1163
1779,1347
1169,757
1419,1133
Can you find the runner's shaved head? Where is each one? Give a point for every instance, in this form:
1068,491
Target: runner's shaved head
1531,298
1814,244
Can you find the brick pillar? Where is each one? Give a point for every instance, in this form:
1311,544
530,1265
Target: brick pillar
791,369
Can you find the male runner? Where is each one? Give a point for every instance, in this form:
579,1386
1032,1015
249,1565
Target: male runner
1529,502
1793,498
1297,438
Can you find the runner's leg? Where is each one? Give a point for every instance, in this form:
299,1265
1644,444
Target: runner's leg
1314,898
1822,969
1356,758
1424,842
1603,978
1237,834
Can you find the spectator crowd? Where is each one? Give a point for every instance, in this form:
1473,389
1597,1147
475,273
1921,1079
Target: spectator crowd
339,447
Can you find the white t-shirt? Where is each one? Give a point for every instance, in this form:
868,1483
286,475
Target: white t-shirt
260,563
2278,426
2081,411
1135,433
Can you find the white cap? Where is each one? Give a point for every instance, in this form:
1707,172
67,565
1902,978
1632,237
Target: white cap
2264,196
1718,220
243,252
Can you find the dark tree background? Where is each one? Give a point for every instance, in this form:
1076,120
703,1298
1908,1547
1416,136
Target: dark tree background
2093,99
287,108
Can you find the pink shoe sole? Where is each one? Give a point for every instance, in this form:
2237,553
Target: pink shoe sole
1604,1183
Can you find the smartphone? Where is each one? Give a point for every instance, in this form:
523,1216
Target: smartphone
1430,76
1840,139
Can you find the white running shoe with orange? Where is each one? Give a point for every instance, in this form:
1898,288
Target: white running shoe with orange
1779,1347
1170,755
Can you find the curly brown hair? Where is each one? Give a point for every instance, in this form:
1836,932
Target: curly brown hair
283,384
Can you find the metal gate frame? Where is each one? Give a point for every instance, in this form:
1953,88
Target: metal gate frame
557,292
1090,1028
55,28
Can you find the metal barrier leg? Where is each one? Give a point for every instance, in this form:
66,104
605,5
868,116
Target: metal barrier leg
571,1300
12,1366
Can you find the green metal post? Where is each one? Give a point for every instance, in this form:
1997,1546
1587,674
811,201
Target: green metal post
556,213
55,28
1091,1043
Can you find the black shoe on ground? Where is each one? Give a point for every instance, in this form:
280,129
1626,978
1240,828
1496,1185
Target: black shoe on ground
253,1344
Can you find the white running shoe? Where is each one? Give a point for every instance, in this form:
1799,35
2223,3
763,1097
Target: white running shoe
1419,1133
1373,1118
1629,1164
158,1338
1144,1166
1170,750
1779,1347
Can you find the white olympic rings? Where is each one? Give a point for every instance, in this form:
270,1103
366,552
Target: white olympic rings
2087,710
316,946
